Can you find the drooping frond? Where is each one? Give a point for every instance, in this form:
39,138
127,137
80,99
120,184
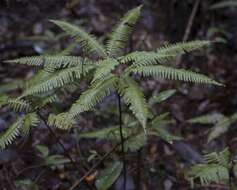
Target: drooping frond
209,173
182,47
120,35
58,79
173,74
29,120
221,158
139,58
19,105
216,168
104,68
94,95
55,61
88,42
134,97
207,119
8,136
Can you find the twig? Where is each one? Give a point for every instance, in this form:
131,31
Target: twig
64,148
93,167
122,143
189,26
58,141
98,163
139,163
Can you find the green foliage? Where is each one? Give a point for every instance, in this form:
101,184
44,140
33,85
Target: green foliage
221,123
224,4
106,70
108,176
26,185
21,125
88,42
216,169
135,137
173,74
10,134
162,96
51,160
134,97
120,35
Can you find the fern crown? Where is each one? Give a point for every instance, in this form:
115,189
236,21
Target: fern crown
111,71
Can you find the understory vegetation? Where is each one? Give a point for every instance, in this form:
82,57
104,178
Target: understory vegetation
107,116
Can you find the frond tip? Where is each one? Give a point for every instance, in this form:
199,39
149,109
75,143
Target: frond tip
120,35
10,134
87,41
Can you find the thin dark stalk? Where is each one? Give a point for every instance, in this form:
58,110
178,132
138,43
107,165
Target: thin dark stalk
77,183
139,163
64,148
58,141
122,143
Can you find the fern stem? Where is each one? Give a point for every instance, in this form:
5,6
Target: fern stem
122,143
139,165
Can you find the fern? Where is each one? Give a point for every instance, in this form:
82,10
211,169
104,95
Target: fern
120,35
88,42
58,79
134,97
10,134
173,74
215,170
110,72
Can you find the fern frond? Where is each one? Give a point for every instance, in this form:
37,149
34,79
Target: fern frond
88,42
19,105
104,68
94,95
182,47
62,121
216,168
30,119
133,96
55,61
222,158
58,79
209,173
120,35
173,74
140,58
10,134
